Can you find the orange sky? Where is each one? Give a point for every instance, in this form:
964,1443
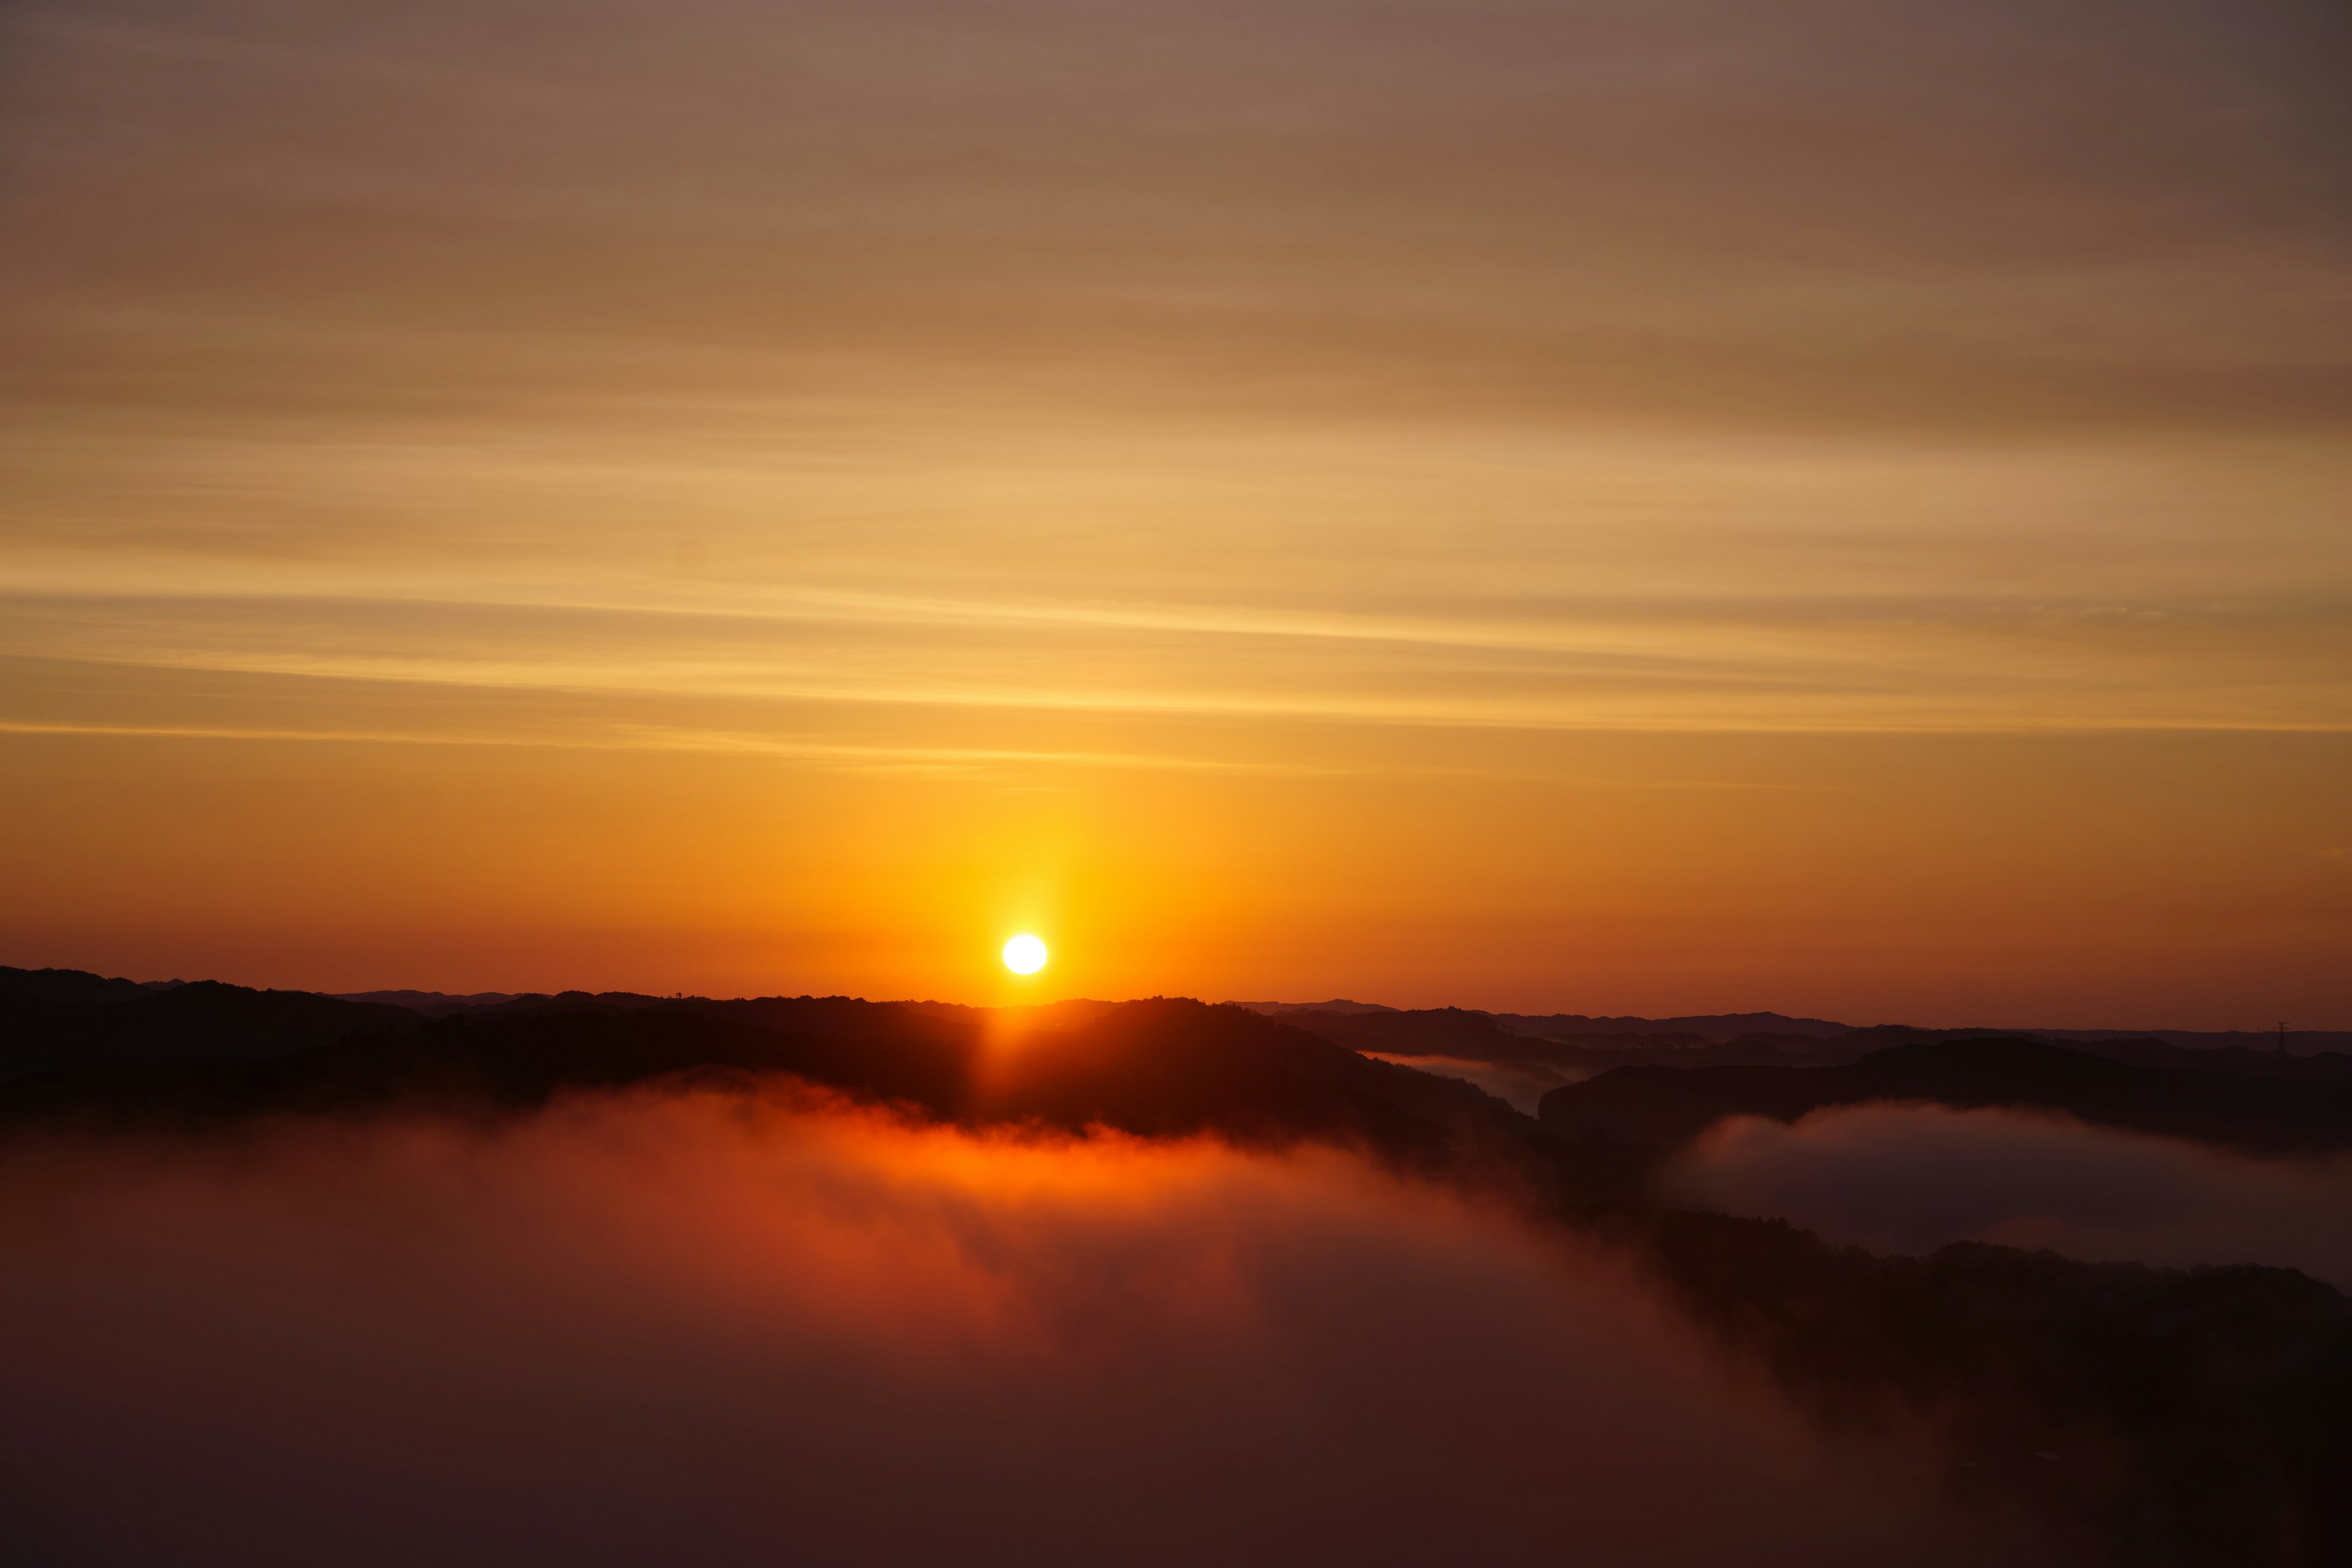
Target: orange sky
1600,507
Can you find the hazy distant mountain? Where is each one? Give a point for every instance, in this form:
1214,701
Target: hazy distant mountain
1277,1009
1716,1026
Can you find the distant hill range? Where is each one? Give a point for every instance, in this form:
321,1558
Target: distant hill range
1577,1043
68,1037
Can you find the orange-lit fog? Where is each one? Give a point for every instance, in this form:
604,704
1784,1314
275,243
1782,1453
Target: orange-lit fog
1632,506
651,1327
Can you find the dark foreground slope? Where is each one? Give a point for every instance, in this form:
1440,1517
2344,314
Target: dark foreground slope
1663,1107
2105,1414
2126,1414
2109,1414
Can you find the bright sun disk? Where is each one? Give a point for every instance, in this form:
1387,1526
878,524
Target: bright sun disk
1024,954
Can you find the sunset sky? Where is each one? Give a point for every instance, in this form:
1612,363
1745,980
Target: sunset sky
1611,506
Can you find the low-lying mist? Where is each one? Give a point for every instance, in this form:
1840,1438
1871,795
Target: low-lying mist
1522,1085
717,1328
1911,1178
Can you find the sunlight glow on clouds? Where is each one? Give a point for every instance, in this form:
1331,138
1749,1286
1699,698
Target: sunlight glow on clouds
1311,390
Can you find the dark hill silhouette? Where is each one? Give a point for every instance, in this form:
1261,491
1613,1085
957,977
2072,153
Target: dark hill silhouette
1164,1065
208,1052
1662,1106
2120,1413
1509,1037
1067,1014
1715,1027
2322,1067
75,987
1740,1034
1500,1039
1482,1037
61,1020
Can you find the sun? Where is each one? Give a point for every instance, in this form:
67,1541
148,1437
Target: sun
1024,954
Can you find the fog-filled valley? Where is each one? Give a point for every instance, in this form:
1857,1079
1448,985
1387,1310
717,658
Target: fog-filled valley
616,1277
759,1327
1910,1178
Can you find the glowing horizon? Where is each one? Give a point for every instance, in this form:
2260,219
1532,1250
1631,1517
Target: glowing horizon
1618,508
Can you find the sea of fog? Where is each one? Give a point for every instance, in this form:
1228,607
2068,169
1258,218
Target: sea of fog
1910,1178
713,1328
